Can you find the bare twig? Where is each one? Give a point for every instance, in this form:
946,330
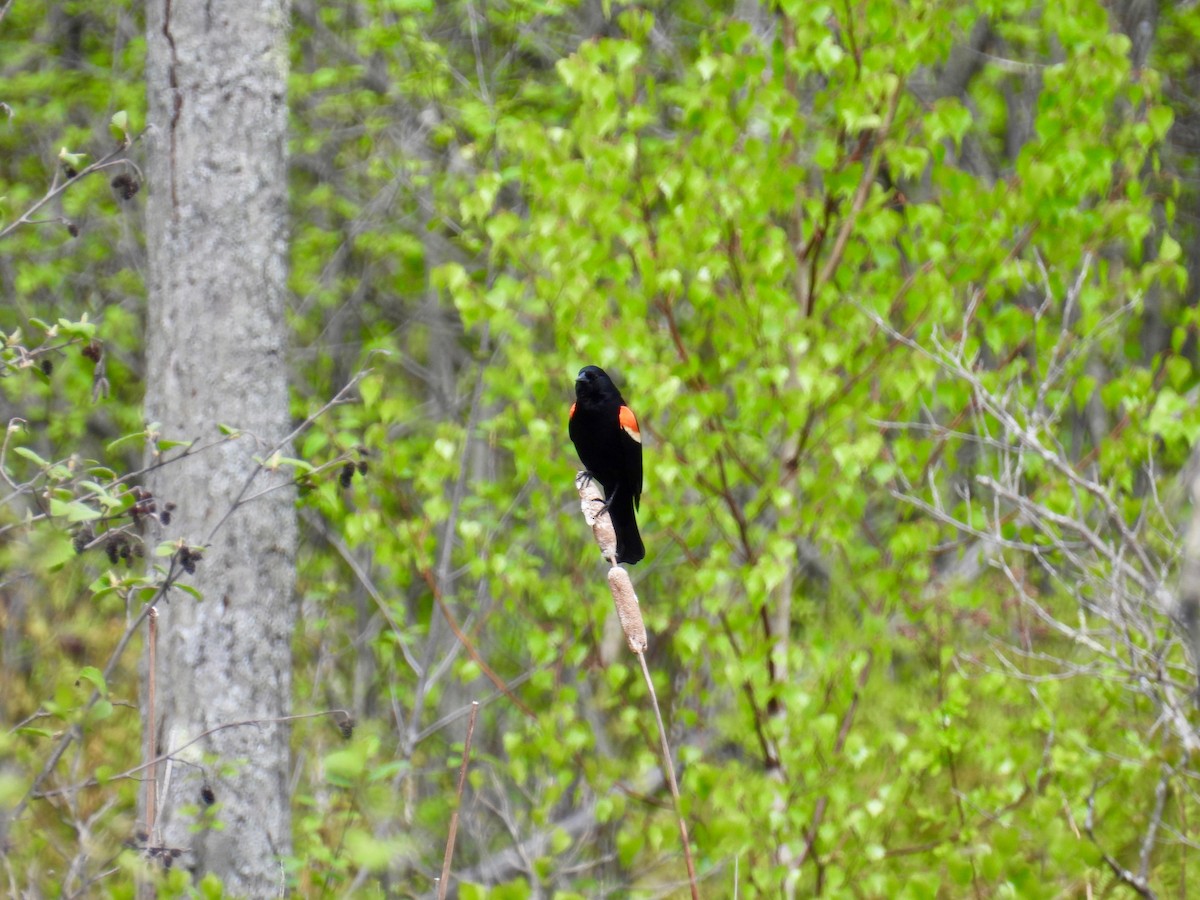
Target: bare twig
860,199
337,399
1160,802
57,188
1133,880
338,715
444,881
151,722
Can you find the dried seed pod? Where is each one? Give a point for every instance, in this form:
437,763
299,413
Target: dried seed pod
82,538
125,186
628,610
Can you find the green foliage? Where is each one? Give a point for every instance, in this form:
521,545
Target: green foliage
891,349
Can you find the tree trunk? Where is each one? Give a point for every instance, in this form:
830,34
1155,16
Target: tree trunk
216,226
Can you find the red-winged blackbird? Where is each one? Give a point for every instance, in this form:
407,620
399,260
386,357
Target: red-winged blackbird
606,437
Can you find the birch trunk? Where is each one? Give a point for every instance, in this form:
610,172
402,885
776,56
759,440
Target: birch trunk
217,244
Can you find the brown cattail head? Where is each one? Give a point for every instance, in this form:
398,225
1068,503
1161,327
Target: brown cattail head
591,501
628,610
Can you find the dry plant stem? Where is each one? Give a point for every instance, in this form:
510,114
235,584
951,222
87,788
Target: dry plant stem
74,732
669,768
151,727
591,501
444,881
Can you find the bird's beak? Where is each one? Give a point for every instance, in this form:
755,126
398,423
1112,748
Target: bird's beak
580,378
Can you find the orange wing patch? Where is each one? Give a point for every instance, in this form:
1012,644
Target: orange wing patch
571,414
629,424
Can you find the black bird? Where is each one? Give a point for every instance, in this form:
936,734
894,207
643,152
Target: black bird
606,437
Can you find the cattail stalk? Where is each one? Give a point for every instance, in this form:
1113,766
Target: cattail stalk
591,501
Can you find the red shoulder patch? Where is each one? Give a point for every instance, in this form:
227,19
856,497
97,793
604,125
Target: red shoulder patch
571,414
629,424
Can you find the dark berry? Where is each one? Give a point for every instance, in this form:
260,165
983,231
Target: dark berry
363,467
207,795
47,366
346,475
72,229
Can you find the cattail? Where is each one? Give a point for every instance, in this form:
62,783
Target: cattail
591,501
628,610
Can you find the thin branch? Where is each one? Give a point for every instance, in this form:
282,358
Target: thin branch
1160,802
57,188
1137,882
338,715
337,399
444,881
860,199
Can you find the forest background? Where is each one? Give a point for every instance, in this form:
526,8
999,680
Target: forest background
905,298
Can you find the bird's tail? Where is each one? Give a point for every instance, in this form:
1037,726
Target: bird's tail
629,542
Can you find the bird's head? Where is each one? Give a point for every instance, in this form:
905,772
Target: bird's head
593,383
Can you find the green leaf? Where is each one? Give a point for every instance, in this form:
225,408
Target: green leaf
31,456
93,676
189,590
125,439
74,511
74,160
100,711
1160,119
345,767
118,125
300,465
80,329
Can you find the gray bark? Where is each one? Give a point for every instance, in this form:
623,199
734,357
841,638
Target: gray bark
217,244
